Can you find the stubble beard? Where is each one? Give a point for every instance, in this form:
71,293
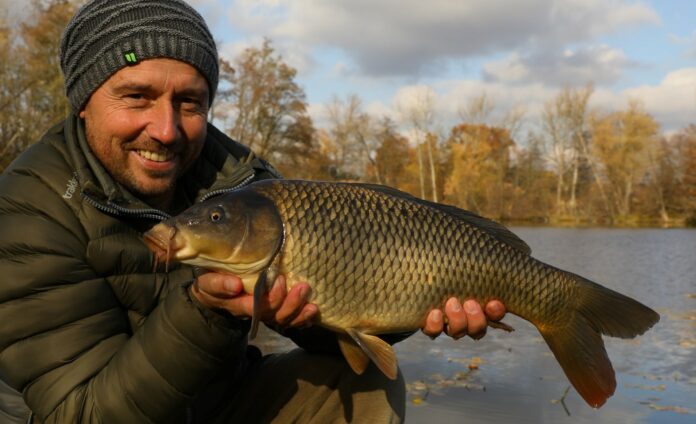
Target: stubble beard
122,173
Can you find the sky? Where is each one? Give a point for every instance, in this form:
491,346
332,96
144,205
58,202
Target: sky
518,53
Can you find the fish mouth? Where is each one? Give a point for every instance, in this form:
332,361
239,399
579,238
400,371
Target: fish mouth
164,243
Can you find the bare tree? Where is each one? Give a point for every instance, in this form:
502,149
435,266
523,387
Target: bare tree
565,123
420,116
266,100
355,135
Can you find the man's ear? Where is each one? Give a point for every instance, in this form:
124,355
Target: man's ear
82,114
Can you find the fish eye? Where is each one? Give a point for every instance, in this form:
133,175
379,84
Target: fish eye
216,215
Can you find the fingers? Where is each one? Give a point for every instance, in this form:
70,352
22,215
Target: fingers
286,308
477,320
220,285
460,320
457,319
213,289
434,323
495,310
293,310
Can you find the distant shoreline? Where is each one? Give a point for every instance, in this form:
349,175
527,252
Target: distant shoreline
599,223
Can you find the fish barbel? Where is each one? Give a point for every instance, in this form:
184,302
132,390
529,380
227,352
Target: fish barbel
378,260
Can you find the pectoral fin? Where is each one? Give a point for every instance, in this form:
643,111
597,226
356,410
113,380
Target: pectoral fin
356,358
260,289
379,351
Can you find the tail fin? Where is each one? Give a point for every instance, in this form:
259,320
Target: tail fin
578,346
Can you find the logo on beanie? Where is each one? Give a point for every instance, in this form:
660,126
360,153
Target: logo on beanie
130,58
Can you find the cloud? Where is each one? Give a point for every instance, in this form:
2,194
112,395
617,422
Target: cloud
599,64
212,11
672,102
406,37
298,58
688,41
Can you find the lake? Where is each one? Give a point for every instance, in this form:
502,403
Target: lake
513,377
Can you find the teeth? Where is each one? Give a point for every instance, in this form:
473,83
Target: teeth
155,157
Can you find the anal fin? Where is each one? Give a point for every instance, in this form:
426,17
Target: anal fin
379,351
356,358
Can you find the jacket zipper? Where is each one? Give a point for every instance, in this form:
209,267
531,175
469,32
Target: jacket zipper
218,192
114,209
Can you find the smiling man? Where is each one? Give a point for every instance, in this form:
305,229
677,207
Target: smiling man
90,333
147,125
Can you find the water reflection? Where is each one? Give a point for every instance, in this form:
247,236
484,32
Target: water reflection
516,379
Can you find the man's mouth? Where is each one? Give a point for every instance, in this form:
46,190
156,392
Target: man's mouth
155,156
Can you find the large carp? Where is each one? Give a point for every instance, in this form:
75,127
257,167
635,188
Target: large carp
378,260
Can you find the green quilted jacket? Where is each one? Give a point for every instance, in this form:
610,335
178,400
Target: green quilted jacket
88,332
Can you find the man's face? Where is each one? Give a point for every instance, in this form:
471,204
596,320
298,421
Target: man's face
147,125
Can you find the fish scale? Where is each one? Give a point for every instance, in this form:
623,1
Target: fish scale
379,260
419,258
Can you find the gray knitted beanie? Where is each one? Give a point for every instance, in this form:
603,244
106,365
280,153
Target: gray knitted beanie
107,35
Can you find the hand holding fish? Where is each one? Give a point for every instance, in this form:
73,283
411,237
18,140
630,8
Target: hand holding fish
463,319
282,307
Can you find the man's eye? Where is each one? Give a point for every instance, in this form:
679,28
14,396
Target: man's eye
135,96
190,102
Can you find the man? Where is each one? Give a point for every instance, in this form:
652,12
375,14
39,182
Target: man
89,333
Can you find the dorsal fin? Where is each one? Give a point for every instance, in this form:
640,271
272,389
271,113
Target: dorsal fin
490,227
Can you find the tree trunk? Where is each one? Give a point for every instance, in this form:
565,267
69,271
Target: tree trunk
433,179
420,171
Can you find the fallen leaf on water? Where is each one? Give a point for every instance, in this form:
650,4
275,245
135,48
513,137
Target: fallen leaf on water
417,401
462,375
417,386
687,343
670,408
690,295
658,388
437,377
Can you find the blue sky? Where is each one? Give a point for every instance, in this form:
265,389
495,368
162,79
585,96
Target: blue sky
518,52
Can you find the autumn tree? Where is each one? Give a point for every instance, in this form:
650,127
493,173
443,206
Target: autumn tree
393,157
684,143
533,184
32,96
621,142
268,106
480,160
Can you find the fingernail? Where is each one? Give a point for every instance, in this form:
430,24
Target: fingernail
436,315
470,307
455,305
310,312
304,292
230,286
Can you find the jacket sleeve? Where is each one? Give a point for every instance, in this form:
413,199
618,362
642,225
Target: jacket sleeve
65,340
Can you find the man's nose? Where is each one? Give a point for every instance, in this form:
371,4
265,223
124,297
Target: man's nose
164,124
